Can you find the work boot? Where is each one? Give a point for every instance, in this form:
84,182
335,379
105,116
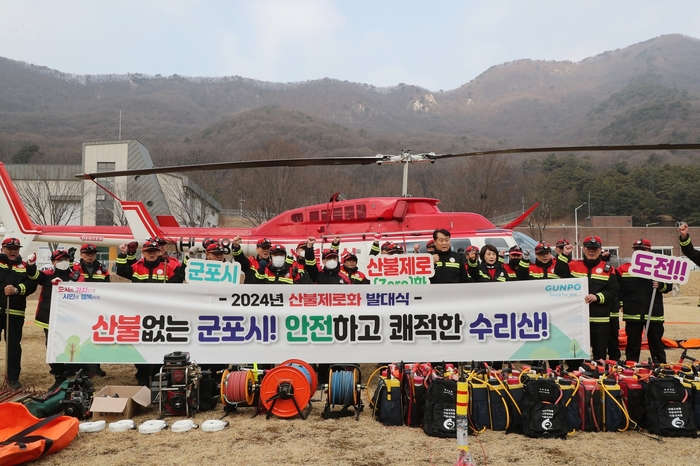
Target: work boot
59,379
14,384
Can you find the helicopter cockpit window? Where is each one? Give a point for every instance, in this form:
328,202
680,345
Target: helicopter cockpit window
324,215
313,216
298,217
350,213
361,211
337,213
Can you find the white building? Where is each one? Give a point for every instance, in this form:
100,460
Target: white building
54,196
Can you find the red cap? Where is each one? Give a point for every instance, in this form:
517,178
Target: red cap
11,243
264,243
386,246
515,251
471,248
60,254
430,244
301,245
592,242
278,249
348,256
88,248
562,242
328,253
150,244
642,243
215,248
542,247
396,249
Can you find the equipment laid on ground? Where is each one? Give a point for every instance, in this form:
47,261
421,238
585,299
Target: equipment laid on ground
213,425
25,438
73,397
184,426
286,390
90,427
78,397
176,388
152,426
122,426
345,389
239,387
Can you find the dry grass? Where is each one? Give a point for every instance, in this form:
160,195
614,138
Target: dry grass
256,441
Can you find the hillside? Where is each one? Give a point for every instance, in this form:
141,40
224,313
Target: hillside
647,92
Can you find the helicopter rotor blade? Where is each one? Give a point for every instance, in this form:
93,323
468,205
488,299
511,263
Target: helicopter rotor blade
405,157
628,147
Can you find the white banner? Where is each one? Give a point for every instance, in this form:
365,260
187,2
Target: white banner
137,323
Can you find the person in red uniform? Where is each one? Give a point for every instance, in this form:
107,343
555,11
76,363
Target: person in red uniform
302,262
602,297
151,268
16,284
350,273
280,270
515,255
254,266
60,271
545,266
89,267
635,297
94,271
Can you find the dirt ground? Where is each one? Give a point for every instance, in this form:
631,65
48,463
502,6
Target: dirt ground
256,441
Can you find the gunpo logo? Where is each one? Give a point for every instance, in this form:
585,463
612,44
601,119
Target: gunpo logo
563,287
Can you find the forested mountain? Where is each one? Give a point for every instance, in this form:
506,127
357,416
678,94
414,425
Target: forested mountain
647,92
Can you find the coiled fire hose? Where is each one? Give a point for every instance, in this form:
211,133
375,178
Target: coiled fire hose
342,388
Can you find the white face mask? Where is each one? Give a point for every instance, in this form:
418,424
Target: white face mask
62,265
331,264
278,261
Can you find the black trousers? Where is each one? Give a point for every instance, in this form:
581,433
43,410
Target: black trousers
634,330
13,336
600,336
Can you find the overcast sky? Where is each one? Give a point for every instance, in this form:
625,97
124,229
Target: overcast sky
437,45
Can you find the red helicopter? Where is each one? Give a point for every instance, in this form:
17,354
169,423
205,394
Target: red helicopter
359,222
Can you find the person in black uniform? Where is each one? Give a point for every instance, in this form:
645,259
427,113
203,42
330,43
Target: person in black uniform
450,266
17,284
635,296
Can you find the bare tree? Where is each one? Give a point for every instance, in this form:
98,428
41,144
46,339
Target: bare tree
51,201
271,191
189,204
483,185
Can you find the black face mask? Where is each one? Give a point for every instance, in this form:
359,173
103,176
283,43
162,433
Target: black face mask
514,262
4,258
152,264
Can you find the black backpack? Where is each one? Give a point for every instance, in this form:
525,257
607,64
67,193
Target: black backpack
543,410
669,409
386,402
439,417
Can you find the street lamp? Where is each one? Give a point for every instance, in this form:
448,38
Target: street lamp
576,227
